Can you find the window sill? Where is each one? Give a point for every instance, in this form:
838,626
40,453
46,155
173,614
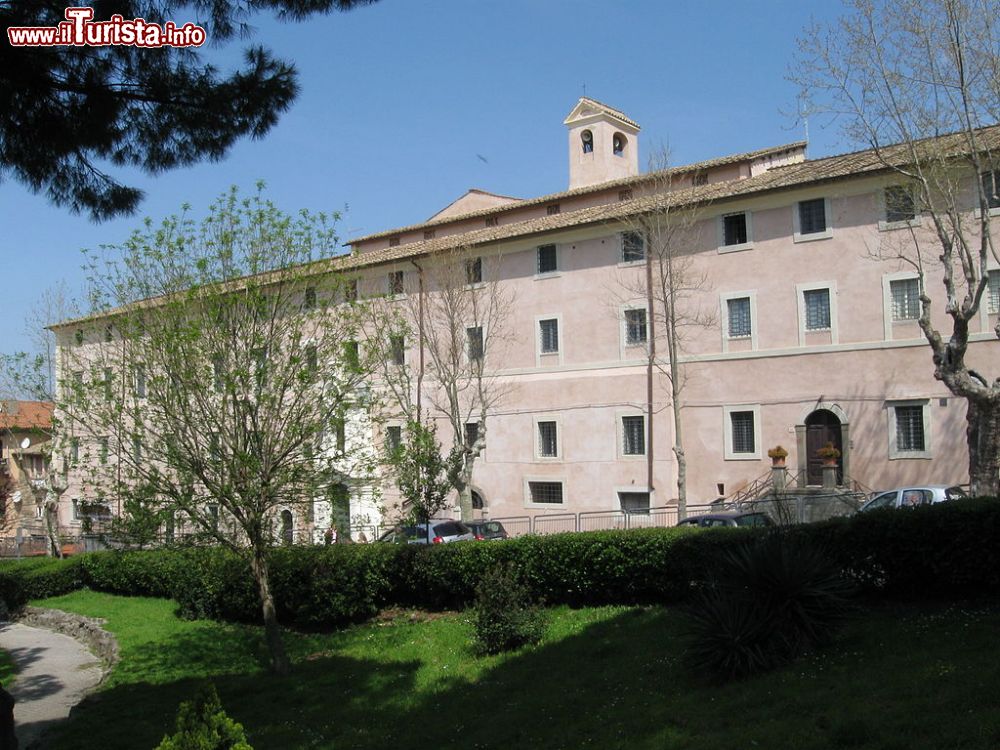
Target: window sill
828,329
742,337
742,457
476,285
813,236
888,226
547,275
735,248
632,263
904,455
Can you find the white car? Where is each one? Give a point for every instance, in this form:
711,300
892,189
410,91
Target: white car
910,497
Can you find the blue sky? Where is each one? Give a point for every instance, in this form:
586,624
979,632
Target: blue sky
399,100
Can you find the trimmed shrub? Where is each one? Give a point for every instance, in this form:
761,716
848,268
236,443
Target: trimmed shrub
203,725
503,616
37,578
772,599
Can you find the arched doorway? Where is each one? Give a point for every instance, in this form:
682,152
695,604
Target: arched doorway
286,527
822,427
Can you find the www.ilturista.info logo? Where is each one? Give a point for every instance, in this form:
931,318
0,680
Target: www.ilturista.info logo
80,30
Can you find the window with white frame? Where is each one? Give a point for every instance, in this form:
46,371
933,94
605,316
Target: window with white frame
635,327
547,259
993,292
905,299
900,205
742,432
739,320
634,502
545,493
816,309
735,229
633,247
548,336
909,429
812,216
548,439
634,436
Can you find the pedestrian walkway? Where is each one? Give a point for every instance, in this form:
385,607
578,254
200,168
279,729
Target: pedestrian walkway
54,673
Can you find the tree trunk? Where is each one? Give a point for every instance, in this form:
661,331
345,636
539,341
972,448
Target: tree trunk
272,632
465,501
983,436
55,549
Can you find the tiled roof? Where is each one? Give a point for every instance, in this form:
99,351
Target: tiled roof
617,114
600,187
26,415
787,177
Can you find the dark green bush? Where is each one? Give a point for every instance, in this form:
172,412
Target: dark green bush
504,617
36,578
770,600
203,725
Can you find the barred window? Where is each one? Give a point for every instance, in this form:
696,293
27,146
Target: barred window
548,437
741,423
910,428
905,299
734,229
471,433
548,333
812,216
635,327
475,338
634,502
546,492
548,261
740,323
633,247
634,436
899,204
817,305
994,292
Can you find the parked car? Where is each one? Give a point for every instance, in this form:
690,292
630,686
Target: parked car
488,530
440,531
910,497
730,518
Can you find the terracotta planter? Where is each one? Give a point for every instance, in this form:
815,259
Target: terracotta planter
829,462
778,463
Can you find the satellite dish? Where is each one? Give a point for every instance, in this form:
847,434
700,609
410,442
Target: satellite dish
25,443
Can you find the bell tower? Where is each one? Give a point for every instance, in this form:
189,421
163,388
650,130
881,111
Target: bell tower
603,144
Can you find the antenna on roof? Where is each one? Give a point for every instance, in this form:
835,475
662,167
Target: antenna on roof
585,89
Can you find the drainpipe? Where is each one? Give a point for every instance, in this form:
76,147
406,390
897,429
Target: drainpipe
420,334
650,322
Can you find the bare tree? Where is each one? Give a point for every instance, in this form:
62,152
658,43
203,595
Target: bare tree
664,239
458,313
206,379
918,81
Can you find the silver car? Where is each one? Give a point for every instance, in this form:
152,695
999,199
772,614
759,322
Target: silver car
911,497
436,531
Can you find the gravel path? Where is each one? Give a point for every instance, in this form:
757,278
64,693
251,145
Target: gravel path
54,673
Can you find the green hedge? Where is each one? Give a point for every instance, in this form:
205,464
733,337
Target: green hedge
952,549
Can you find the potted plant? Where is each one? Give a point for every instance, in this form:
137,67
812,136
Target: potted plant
829,454
777,454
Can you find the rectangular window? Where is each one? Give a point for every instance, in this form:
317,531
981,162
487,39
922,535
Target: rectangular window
548,261
474,271
817,307
309,299
812,216
339,425
396,282
633,247
741,424
492,221
552,209
910,428
548,440
991,188
625,195
74,449
140,381
394,242
393,438
905,299
634,436
397,345
103,449
351,290
218,373
738,313
109,332
352,356
109,383
137,449
899,204
635,327
471,433
634,502
734,229
312,359
546,492
475,340
429,234
548,334
993,292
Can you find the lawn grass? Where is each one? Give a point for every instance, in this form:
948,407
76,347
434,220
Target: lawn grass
914,677
8,669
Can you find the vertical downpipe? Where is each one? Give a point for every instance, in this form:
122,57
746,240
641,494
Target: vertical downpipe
420,335
650,323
